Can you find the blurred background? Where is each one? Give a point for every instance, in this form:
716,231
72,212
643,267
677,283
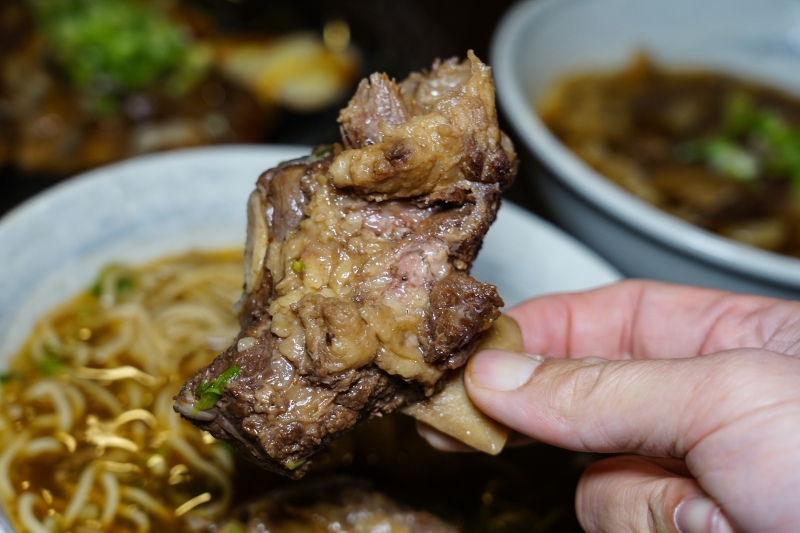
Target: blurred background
85,84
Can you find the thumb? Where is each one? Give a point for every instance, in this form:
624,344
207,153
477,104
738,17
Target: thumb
658,408
726,415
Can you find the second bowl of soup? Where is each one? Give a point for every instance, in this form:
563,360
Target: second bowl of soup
664,134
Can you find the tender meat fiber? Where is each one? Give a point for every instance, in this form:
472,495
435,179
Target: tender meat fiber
357,295
425,136
342,505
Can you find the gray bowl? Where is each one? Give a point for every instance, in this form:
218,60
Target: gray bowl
540,41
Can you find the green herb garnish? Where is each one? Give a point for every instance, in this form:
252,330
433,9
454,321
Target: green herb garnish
114,280
321,154
754,141
110,47
124,285
298,266
5,377
731,160
97,289
51,365
225,446
294,465
210,392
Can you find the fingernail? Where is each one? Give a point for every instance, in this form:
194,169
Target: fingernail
701,515
503,371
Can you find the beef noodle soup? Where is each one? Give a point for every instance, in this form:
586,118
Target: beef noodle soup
716,151
89,441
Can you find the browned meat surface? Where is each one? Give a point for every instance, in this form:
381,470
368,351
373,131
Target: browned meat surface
425,136
339,505
357,293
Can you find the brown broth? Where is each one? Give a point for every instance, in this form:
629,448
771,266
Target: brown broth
631,125
120,427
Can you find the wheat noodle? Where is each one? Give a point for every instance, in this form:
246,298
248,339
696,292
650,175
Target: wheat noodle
100,373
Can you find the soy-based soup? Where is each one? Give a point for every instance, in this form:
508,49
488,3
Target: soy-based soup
89,441
711,149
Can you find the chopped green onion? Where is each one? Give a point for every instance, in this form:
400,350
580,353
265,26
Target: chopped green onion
731,160
97,289
321,154
5,377
298,266
109,47
294,465
124,285
114,280
739,114
225,446
753,140
206,402
51,366
210,392
690,152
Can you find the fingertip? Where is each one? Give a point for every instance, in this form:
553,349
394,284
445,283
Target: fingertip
698,514
440,441
631,493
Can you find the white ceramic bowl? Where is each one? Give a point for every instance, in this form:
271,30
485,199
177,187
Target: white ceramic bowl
53,246
540,41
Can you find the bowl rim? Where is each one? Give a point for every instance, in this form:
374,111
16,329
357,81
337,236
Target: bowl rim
41,199
592,187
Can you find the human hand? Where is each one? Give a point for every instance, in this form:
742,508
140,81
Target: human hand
702,385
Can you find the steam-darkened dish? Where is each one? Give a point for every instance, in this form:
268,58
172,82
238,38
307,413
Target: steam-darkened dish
716,151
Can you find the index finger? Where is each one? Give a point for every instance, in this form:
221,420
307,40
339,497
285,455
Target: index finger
638,319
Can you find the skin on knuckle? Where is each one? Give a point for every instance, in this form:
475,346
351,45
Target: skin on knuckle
581,391
577,387
608,500
594,509
659,508
740,365
605,503
741,380
728,385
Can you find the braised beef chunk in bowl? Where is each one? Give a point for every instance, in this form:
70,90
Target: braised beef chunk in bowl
338,504
357,297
